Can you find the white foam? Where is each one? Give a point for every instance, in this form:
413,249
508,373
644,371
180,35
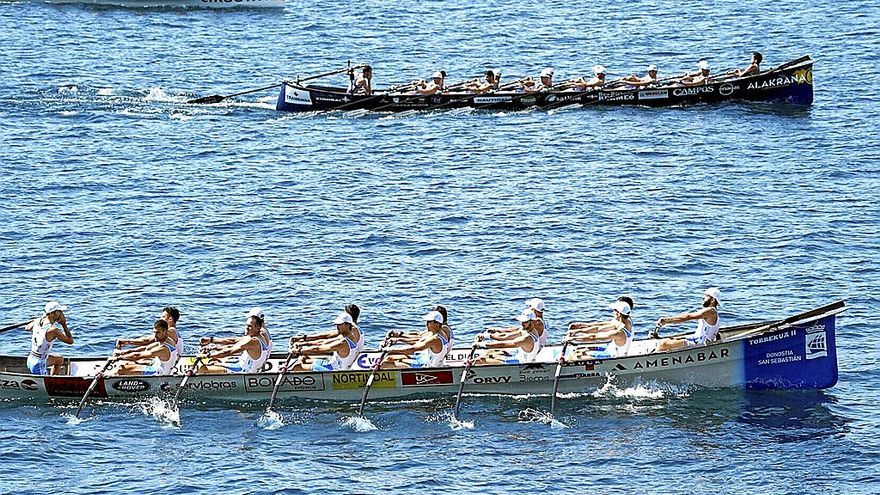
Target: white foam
161,410
359,424
457,424
534,416
270,420
105,91
73,420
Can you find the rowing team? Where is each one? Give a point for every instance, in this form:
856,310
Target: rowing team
338,348
363,83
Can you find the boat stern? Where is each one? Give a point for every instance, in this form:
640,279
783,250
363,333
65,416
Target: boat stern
294,99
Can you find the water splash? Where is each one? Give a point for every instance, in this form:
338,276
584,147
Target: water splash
457,424
270,420
639,391
73,420
530,415
161,410
359,424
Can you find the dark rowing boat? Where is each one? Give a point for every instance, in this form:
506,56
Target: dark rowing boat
790,83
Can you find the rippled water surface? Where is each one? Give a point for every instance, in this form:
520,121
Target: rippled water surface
118,198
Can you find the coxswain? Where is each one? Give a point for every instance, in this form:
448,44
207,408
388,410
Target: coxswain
162,355
170,315
753,68
252,350
650,78
44,332
334,354
708,323
598,80
537,305
361,84
521,349
428,351
615,335
545,81
698,78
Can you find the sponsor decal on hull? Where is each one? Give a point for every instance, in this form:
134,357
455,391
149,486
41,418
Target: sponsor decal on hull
536,372
355,380
727,89
656,94
425,378
73,387
482,100
798,77
290,383
297,96
528,100
617,96
696,90
29,385
816,342
130,385
800,357
678,360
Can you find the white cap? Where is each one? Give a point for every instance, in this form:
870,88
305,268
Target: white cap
621,307
703,65
527,315
343,318
599,69
652,67
437,75
52,306
714,293
548,72
256,311
433,316
536,303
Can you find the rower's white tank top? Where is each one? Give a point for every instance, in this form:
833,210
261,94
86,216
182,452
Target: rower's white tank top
337,362
615,350
178,345
543,337
432,359
705,332
249,365
165,367
39,345
529,357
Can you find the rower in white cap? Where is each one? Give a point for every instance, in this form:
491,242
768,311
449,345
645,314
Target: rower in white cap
615,335
708,323
44,331
650,77
334,354
537,305
598,80
429,351
436,85
521,349
695,79
545,81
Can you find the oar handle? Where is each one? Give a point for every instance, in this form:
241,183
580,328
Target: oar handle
331,73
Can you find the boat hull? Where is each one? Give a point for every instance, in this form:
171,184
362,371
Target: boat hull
796,353
790,85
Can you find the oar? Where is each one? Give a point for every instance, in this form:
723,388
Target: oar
385,349
557,375
280,378
467,367
17,325
188,373
655,333
372,97
219,98
98,376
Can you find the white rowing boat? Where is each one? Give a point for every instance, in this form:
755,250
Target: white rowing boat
200,4
794,353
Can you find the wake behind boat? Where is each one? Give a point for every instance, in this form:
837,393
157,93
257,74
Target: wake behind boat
798,352
789,83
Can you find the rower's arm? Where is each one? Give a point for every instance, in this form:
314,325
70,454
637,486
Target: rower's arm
595,336
419,345
683,317
236,348
329,334
63,335
135,342
148,352
322,348
505,344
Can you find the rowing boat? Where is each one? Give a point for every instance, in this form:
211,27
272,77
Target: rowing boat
798,352
790,83
200,4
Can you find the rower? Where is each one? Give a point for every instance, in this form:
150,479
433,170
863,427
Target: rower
491,83
429,351
545,82
708,323
337,353
170,315
598,80
537,305
698,78
650,78
435,86
264,333
322,337
44,331
525,345
162,354
615,335
362,84
252,349
754,67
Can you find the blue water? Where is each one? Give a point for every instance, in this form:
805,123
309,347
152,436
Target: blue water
118,199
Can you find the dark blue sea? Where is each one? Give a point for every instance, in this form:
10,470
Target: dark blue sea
117,198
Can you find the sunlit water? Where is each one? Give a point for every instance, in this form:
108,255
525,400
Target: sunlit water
118,198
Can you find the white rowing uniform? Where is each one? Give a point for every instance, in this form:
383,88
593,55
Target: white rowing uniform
428,358
178,344
543,337
336,362
520,356
40,348
612,350
247,364
160,367
705,332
